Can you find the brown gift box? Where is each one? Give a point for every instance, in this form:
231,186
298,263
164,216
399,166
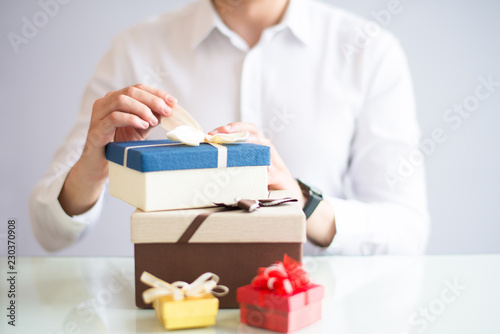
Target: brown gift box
177,246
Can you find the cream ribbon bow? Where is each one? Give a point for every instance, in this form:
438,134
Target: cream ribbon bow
181,126
179,290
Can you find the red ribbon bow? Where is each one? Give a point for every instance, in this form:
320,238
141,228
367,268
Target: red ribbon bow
283,278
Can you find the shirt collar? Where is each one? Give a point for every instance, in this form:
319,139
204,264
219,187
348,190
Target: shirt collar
297,19
204,22
207,19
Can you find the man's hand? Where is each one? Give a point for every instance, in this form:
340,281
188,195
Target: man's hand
126,114
279,177
321,227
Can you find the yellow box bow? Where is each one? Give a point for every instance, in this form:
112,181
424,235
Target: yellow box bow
179,290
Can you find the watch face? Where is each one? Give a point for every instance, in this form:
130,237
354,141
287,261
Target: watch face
316,191
315,197
310,189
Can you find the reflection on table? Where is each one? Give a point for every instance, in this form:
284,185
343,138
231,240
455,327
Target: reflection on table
433,294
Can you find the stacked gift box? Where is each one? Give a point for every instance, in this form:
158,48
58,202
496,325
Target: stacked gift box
179,232
164,175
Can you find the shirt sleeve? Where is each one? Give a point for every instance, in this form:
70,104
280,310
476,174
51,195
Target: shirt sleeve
385,209
53,228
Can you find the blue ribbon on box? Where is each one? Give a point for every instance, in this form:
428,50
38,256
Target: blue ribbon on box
160,155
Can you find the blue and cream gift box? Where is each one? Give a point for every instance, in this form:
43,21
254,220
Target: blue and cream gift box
157,175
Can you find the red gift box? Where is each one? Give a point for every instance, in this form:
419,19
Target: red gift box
281,298
260,308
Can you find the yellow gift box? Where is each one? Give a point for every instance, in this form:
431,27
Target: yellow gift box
181,305
190,312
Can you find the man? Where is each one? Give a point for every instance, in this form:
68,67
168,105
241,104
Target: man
337,114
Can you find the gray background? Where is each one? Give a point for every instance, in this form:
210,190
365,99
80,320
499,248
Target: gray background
450,44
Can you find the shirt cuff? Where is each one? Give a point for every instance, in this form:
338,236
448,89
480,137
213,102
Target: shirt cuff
53,227
354,234
74,226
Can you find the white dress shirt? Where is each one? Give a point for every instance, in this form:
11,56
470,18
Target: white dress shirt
342,121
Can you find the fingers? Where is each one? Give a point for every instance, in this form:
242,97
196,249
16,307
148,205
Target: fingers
140,100
153,98
256,136
126,114
156,99
118,119
129,105
236,127
142,106
170,100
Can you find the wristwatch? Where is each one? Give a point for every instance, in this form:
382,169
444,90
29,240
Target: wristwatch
314,197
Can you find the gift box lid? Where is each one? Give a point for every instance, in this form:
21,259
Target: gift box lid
282,223
270,300
161,155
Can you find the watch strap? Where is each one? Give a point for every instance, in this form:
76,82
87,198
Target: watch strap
315,197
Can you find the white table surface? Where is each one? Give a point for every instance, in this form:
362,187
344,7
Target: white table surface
430,294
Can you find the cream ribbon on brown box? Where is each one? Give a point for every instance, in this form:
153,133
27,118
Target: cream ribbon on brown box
247,205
